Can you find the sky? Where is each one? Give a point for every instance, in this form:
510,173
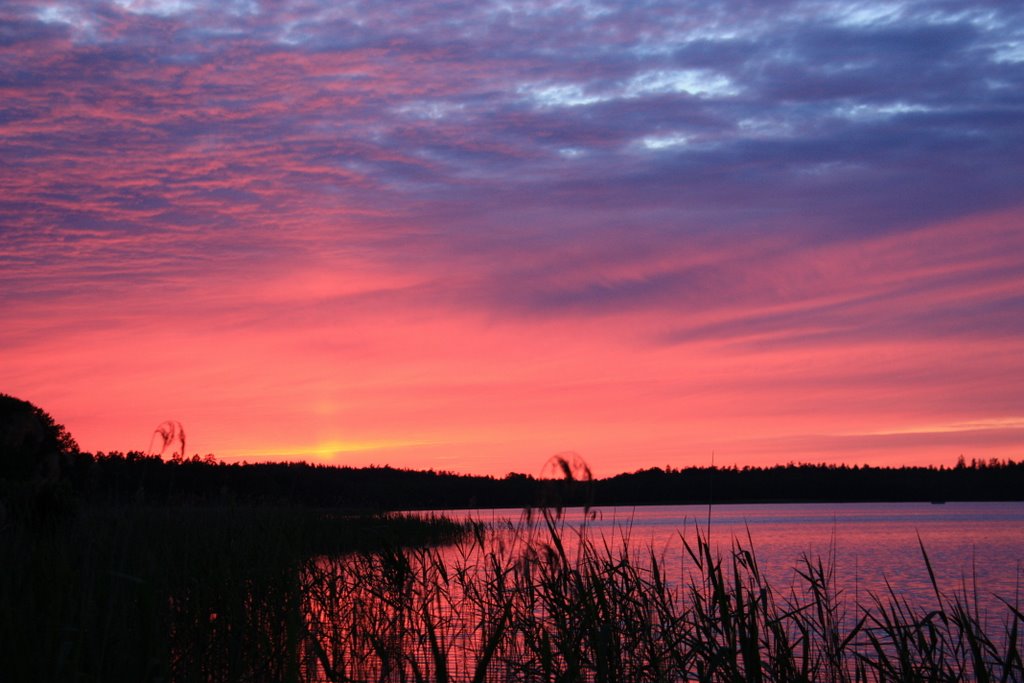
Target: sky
466,235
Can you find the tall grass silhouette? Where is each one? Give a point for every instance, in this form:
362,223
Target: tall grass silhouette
189,594
224,593
542,601
167,433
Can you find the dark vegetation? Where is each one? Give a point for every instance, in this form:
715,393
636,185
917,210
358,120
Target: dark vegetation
59,474
182,593
109,573
546,602
132,567
134,476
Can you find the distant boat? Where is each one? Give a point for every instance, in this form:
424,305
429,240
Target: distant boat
938,502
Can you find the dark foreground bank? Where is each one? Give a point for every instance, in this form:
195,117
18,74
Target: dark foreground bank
174,593
245,595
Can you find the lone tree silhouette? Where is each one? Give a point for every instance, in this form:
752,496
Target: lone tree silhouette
32,444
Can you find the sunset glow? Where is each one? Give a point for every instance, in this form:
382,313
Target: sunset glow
469,235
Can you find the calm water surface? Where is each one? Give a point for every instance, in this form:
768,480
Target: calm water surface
373,617
969,544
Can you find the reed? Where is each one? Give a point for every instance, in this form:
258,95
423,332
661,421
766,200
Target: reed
546,602
174,593
259,594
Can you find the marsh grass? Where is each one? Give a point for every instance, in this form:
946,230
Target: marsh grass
174,593
546,602
263,594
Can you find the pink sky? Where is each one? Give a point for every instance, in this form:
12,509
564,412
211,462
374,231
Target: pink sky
467,238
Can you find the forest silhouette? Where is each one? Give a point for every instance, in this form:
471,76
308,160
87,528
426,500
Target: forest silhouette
31,454
111,477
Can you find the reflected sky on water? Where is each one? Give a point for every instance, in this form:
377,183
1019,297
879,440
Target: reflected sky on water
871,543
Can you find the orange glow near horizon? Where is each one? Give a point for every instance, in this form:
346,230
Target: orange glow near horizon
447,387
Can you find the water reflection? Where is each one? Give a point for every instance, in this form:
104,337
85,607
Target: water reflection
871,543
876,543
654,594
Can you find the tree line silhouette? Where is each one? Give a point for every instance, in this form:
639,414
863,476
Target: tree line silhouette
135,477
29,451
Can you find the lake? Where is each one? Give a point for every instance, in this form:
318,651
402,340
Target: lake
870,543
578,597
